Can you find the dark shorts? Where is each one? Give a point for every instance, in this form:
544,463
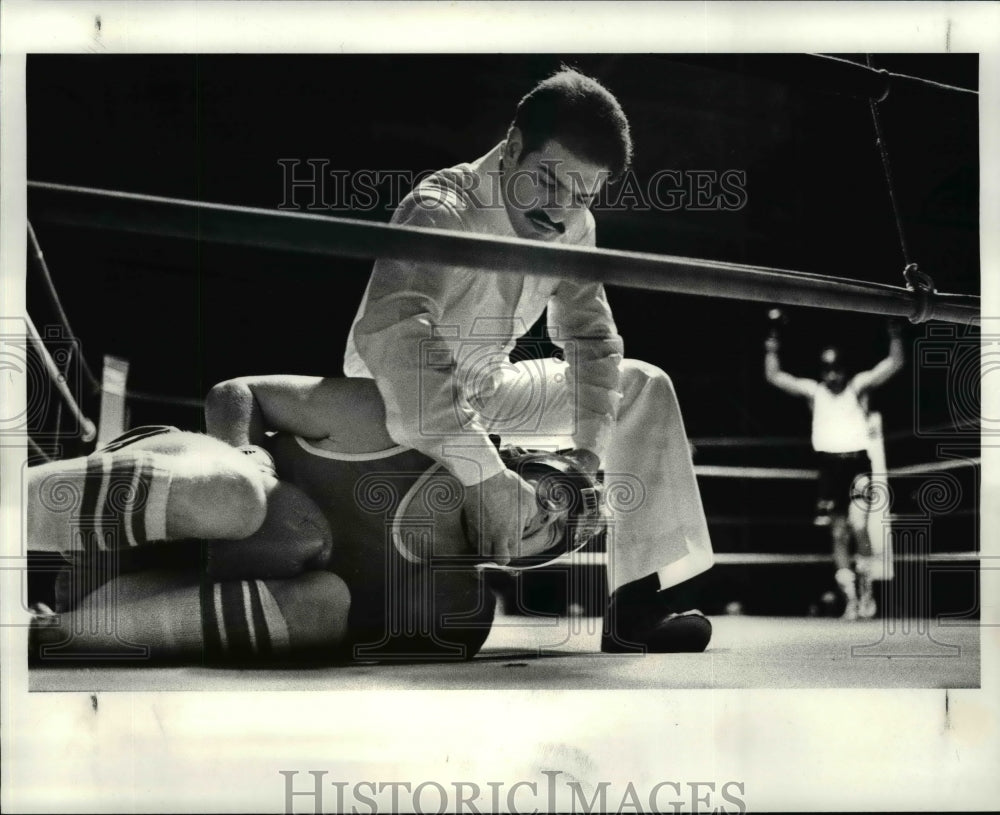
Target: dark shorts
837,474
418,612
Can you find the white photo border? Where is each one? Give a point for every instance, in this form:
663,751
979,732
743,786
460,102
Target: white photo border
210,752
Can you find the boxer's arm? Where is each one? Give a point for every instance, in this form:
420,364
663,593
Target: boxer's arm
792,385
348,412
233,415
887,368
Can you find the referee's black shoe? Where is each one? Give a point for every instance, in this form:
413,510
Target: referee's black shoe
639,620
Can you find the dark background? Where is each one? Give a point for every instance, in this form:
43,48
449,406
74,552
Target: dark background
213,128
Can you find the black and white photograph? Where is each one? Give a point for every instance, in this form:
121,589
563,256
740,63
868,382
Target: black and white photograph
498,407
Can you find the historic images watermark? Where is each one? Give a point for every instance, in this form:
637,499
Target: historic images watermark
313,791
312,185
952,361
505,397
44,358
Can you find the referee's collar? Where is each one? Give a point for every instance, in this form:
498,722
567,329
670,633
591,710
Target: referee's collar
488,194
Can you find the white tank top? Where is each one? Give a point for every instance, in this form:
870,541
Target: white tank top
840,421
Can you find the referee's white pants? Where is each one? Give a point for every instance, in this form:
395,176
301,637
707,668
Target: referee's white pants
658,523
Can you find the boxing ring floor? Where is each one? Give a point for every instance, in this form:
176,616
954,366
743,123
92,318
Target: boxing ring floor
525,653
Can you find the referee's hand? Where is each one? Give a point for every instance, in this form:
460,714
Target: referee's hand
497,511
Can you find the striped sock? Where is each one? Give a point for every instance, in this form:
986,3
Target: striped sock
241,622
107,501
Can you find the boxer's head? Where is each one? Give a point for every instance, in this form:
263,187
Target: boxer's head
569,137
431,524
833,374
570,506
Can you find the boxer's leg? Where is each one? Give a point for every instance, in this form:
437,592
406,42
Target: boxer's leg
106,501
857,521
857,516
168,487
215,492
841,534
180,619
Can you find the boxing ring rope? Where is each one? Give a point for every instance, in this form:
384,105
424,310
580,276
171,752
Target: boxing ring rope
778,473
821,73
769,559
798,441
161,399
748,441
776,558
341,237
43,267
37,451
